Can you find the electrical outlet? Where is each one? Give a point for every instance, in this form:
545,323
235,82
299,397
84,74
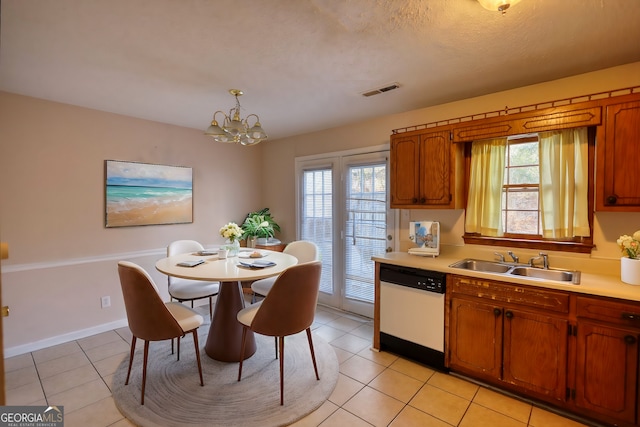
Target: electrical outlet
105,302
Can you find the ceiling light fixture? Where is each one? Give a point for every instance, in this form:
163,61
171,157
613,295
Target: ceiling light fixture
234,129
498,5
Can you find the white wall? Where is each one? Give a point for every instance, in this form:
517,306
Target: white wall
61,257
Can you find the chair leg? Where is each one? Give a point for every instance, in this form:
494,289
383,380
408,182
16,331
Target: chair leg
144,369
313,354
195,343
133,350
211,308
243,341
179,347
276,345
281,339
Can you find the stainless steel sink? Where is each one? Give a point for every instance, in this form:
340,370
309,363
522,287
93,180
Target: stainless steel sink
547,274
524,271
480,265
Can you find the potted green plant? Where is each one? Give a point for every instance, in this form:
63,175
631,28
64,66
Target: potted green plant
259,225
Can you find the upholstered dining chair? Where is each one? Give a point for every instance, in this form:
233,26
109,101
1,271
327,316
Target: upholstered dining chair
190,290
303,250
288,308
151,319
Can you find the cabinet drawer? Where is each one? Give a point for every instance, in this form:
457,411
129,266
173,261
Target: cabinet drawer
510,293
616,312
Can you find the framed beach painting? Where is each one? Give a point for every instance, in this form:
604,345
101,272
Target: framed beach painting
147,194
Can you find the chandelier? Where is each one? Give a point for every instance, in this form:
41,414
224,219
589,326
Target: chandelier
498,5
235,129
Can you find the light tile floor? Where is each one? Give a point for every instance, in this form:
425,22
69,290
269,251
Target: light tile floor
374,388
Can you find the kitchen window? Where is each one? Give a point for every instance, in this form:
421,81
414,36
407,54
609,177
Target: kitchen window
521,188
532,191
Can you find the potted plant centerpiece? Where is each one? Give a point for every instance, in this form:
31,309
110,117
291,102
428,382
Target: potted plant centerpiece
259,227
233,233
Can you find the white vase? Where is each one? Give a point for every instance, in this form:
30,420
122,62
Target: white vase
233,247
630,270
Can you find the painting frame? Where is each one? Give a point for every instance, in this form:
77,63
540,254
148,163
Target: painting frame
141,194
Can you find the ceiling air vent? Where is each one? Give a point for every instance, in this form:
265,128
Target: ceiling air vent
387,88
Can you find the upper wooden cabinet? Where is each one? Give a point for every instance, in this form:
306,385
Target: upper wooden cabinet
422,170
618,156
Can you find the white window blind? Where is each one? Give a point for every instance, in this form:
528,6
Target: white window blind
365,228
317,219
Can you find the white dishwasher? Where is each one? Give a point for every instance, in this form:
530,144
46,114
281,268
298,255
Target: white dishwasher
412,313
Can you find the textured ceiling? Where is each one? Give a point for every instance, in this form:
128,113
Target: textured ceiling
302,64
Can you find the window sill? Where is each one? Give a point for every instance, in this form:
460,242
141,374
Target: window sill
546,245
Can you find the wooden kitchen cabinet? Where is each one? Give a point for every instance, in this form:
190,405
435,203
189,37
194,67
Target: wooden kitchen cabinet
511,336
422,170
535,352
475,341
618,153
607,359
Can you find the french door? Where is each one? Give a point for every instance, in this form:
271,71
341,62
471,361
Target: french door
343,208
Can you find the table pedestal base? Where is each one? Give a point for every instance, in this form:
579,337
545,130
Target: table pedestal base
225,335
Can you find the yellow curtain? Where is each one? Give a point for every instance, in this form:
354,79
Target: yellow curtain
484,207
564,183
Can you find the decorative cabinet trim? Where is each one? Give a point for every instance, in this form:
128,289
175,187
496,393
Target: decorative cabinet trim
535,121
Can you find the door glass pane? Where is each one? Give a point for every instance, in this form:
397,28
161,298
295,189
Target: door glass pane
317,219
365,228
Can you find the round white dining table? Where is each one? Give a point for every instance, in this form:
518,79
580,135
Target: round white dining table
225,333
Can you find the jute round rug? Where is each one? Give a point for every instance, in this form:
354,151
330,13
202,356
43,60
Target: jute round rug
174,397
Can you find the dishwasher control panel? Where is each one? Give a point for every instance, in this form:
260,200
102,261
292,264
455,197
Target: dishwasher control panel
431,281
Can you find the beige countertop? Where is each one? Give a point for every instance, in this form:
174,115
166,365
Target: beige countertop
593,282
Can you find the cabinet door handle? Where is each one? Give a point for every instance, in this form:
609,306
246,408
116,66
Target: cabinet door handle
423,200
508,314
611,200
497,312
414,200
630,339
630,316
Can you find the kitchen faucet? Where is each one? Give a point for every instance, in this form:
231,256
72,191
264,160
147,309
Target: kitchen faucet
545,260
513,256
499,256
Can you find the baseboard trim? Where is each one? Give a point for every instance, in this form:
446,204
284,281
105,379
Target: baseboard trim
61,339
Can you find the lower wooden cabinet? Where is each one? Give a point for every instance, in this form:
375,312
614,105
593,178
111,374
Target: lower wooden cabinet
606,371
578,352
607,342
475,343
535,352
522,347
